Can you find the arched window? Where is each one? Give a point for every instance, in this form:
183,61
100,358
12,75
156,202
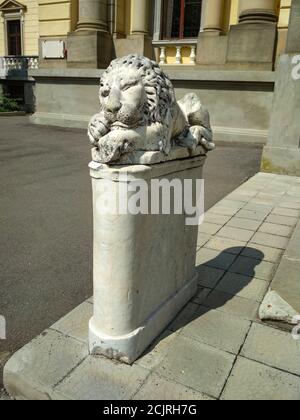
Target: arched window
181,19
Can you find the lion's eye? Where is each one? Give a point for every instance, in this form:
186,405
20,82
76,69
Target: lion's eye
129,85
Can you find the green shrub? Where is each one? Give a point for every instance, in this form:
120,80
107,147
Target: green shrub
8,104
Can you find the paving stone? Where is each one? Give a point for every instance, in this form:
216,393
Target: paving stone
294,205
272,347
281,211
216,218
282,220
263,270
234,305
209,276
242,195
157,351
279,230
223,331
187,315
247,224
253,381
157,388
42,363
273,241
235,234
214,259
98,378
209,228
263,208
203,238
197,366
201,295
224,211
252,215
259,251
243,286
227,245
231,203
76,323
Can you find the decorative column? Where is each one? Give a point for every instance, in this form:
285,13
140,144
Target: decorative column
91,45
92,15
138,42
211,47
139,17
257,11
212,16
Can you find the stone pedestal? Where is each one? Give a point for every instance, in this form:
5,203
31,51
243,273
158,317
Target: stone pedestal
282,152
144,264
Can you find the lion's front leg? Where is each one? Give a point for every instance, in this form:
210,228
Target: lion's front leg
98,127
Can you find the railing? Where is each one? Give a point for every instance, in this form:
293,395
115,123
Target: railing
189,47
18,64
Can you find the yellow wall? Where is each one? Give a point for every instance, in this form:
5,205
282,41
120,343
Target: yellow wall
57,17
31,29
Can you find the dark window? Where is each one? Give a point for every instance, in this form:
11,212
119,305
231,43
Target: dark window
14,37
181,18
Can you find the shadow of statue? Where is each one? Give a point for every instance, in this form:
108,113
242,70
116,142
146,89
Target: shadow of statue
215,298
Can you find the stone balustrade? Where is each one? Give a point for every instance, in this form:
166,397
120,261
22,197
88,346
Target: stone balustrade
18,63
185,52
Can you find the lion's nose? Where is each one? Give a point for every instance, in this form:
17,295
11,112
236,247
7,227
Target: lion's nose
113,105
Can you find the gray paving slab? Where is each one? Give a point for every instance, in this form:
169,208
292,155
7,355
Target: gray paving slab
97,378
238,222
234,305
235,234
75,323
209,276
273,347
274,229
35,369
266,253
197,366
273,241
157,388
252,267
229,246
254,381
214,258
282,220
209,228
223,331
243,286
281,211
252,215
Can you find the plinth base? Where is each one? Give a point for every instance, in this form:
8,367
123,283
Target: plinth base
128,348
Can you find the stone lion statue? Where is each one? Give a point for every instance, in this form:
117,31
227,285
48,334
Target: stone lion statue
139,112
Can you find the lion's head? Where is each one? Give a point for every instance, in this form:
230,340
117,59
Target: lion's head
134,92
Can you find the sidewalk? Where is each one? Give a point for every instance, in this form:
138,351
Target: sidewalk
217,348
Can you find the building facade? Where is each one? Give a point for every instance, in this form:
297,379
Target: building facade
226,51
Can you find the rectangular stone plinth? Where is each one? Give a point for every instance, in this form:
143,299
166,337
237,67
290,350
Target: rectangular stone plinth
144,264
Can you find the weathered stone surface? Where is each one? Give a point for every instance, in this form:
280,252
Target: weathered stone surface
158,388
230,246
237,222
131,304
209,228
197,365
139,113
252,215
279,230
274,308
100,379
34,370
217,329
253,381
272,241
273,347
